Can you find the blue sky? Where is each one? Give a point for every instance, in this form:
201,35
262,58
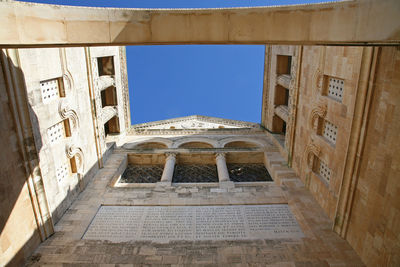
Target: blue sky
172,81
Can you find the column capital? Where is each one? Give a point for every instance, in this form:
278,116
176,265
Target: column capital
220,155
170,155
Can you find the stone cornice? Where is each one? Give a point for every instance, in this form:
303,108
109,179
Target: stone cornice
206,119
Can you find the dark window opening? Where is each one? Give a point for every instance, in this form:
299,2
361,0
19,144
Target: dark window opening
106,66
248,173
283,64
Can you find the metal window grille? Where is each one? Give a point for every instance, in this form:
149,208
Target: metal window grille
199,173
142,174
248,173
330,132
56,132
324,171
335,88
50,90
62,172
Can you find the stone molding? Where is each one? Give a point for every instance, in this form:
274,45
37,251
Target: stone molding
317,80
77,152
67,113
310,151
319,111
241,124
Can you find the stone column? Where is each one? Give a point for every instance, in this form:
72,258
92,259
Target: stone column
223,174
169,167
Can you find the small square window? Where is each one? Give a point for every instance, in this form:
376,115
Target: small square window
329,131
56,132
62,172
106,65
52,89
334,88
323,170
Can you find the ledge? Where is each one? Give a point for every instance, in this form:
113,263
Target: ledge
284,80
282,112
105,81
108,112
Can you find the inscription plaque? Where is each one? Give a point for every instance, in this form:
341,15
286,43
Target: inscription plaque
167,223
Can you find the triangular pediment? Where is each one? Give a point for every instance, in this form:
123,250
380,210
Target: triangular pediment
195,122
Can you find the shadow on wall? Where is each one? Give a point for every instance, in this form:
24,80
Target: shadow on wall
25,218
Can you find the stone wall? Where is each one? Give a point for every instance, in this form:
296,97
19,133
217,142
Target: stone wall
69,64
19,234
315,107
374,224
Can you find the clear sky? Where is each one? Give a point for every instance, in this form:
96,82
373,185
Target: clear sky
170,81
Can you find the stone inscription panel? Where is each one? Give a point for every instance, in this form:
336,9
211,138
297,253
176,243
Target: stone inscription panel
167,223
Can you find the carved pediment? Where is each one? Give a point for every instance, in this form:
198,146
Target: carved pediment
195,122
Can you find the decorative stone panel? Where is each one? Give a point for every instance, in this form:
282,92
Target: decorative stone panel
51,89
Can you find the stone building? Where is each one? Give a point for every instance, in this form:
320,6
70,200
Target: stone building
325,154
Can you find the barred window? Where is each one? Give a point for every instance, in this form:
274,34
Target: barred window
250,172
142,174
196,173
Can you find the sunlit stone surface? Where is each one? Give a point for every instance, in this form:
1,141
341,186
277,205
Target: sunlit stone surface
166,223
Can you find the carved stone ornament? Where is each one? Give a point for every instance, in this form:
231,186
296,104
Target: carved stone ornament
68,81
220,155
317,80
74,151
170,155
317,112
311,150
67,113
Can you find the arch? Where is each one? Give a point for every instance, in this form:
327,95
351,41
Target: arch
206,142
196,145
243,142
151,145
157,142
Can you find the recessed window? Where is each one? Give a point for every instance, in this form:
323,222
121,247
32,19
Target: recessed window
323,170
142,174
62,173
195,173
106,66
334,88
329,131
249,172
283,64
52,89
55,133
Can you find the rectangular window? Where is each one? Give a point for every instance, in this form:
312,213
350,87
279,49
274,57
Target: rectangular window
283,64
52,89
106,65
56,132
62,172
324,171
329,131
334,88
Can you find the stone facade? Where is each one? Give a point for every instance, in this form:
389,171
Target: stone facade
62,128
328,135
330,151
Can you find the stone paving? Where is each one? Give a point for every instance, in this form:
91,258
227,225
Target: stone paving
319,247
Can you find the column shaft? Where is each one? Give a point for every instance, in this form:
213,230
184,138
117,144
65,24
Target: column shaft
223,174
169,168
